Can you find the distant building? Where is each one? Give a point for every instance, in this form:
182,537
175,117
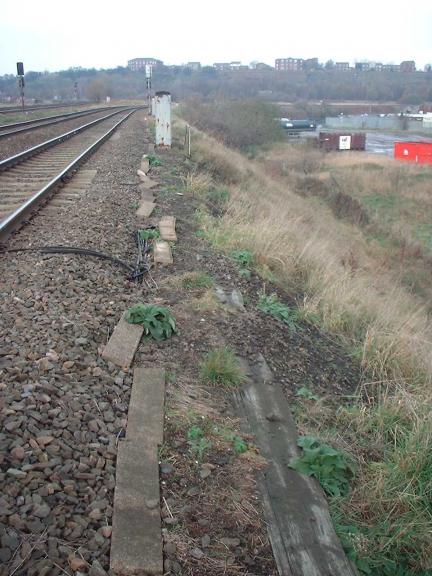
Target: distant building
230,66
195,66
140,63
238,66
289,64
222,66
391,67
263,66
408,66
362,66
342,65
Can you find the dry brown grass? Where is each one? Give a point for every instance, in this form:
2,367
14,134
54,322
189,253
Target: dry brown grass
311,251
354,286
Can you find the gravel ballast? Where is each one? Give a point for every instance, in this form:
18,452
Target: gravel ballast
20,142
62,407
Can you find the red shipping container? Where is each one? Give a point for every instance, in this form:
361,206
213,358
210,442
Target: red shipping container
342,141
418,152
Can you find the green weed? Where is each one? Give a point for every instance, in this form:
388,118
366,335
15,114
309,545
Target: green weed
149,234
273,306
424,234
195,280
221,367
197,441
304,392
158,321
243,258
329,466
154,160
245,273
239,445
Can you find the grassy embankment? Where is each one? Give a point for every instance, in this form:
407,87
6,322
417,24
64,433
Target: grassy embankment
350,236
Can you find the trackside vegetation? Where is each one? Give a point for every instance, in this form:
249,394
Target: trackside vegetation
339,234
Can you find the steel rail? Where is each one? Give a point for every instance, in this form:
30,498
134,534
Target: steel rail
8,110
21,156
11,222
28,125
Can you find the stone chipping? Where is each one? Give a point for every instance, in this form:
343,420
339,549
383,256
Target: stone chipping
63,408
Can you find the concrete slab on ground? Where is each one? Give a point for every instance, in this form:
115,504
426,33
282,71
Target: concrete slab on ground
147,195
145,209
145,180
162,252
301,532
234,300
145,164
122,345
136,541
146,407
167,228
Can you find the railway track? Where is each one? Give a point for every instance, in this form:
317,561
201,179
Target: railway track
7,130
9,109
29,179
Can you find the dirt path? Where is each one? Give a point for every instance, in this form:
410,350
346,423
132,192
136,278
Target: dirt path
234,540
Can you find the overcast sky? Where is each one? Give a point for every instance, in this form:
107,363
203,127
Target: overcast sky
57,34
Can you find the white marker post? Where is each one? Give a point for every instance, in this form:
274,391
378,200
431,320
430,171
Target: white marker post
163,119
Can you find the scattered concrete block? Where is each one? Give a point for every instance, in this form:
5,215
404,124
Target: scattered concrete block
145,190
136,541
145,164
146,182
150,147
162,252
167,228
146,407
146,194
233,300
145,209
236,299
122,345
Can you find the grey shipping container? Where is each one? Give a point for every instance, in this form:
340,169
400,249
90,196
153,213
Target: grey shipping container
342,141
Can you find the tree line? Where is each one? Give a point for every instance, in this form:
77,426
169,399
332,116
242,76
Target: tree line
208,84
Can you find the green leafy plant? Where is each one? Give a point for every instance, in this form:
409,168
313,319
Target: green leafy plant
329,466
197,441
149,234
243,258
305,392
221,367
195,432
245,273
273,306
158,321
154,160
239,445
